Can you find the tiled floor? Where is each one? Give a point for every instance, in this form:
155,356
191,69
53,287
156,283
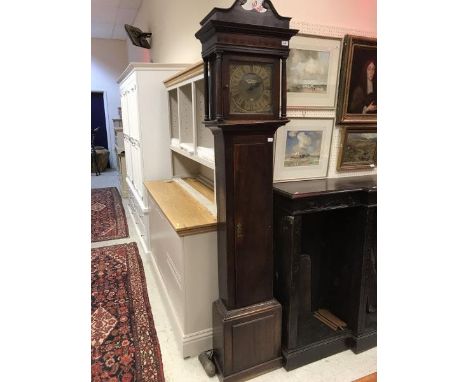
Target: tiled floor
343,367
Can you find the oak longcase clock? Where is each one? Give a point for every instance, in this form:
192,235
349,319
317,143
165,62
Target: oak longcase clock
244,49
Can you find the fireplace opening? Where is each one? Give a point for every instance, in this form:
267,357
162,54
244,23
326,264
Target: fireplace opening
330,273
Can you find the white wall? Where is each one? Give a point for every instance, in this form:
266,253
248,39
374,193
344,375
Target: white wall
144,19
109,58
174,23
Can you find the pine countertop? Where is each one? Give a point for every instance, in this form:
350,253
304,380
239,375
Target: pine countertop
185,214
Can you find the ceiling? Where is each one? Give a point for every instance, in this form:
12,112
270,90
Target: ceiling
109,16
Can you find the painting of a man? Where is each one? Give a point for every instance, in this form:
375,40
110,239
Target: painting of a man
363,90
357,96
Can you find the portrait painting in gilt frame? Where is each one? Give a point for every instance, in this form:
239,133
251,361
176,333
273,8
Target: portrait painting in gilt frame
357,94
358,149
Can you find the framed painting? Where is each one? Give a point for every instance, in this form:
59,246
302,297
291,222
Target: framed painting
302,149
358,149
312,72
357,93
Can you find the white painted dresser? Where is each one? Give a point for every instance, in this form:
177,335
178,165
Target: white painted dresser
145,119
183,231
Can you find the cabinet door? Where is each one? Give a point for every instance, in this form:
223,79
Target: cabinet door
128,157
133,114
137,170
252,218
124,106
126,131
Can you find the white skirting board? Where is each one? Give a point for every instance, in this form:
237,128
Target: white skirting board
189,345
196,343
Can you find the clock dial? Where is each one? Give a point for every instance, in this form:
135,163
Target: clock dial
250,88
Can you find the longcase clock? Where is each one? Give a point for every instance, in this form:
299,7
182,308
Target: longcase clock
244,50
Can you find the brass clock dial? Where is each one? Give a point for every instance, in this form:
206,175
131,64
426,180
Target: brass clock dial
250,88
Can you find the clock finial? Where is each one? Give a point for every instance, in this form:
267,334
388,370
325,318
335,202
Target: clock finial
253,5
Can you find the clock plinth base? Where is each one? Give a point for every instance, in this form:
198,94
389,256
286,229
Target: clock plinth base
246,341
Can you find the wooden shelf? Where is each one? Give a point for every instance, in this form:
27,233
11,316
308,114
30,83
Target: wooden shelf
194,157
191,142
186,214
185,76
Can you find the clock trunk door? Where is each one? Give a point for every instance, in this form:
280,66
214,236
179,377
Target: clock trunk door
252,212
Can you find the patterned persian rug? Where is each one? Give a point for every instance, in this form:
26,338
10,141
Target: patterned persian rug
124,343
108,221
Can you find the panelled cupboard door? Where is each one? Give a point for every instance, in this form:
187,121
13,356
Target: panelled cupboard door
137,170
128,157
124,106
252,238
134,118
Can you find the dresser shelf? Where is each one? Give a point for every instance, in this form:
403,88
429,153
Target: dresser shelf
191,143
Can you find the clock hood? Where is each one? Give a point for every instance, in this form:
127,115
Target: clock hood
258,12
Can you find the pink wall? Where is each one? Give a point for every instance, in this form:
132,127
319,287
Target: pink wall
174,23
353,14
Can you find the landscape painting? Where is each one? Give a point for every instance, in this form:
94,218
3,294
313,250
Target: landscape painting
359,149
302,148
307,71
312,72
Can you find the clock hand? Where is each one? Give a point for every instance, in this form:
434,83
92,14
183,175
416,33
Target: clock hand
255,85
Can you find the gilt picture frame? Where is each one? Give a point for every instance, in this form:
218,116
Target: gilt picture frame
357,92
302,149
358,148
312,72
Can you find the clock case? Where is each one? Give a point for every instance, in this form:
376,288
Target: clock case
235,34
247,317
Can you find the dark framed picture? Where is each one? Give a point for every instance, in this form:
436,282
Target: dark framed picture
357,94
358,149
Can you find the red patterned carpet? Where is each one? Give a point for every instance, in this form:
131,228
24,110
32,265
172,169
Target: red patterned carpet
124,343
108,221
